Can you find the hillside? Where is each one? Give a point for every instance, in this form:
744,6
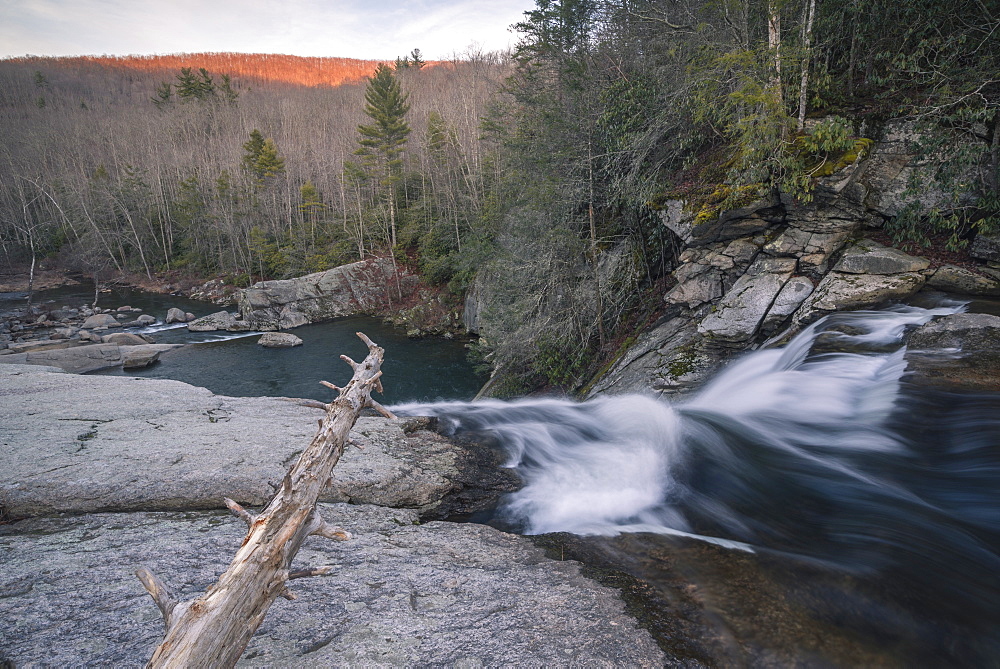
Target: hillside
281,68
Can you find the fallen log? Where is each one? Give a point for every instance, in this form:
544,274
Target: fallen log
214,629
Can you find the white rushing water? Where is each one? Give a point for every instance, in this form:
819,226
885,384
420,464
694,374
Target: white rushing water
625,463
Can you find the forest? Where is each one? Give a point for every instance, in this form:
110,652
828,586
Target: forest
531,179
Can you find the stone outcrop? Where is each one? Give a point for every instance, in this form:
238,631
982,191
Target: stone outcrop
156,444
400,594
359,288
739,314
955,279
754,274
125,339
139,357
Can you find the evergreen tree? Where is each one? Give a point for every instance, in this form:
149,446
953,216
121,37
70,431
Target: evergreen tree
261,158
382,141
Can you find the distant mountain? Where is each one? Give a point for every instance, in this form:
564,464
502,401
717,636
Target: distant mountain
261,66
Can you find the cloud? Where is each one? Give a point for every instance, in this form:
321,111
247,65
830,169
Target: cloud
349,28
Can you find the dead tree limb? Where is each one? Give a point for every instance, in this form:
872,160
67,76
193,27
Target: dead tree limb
213,630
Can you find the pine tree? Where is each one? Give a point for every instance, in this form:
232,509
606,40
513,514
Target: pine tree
382,142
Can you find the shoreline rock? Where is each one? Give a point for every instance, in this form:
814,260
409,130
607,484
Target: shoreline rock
401,594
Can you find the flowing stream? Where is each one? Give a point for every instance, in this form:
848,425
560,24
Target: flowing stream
820,451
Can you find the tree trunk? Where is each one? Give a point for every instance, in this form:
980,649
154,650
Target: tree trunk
213,630
774,47
806,57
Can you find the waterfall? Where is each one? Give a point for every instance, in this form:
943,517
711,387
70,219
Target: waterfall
820,449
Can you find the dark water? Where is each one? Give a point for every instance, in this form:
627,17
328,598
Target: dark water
233,364
831,460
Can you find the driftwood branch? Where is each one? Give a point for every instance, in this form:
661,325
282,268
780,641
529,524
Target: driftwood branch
214,629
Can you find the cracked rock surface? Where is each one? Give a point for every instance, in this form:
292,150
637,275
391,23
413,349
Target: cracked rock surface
400,594
84,443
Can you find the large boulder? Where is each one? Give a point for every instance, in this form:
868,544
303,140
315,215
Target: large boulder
358,288
960,351
125,339
870,257
99,321
279,340
401,594
839,291
885,183
138,357
986,247
741,311
220,320
954,279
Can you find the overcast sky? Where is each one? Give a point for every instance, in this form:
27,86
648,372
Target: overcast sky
368,29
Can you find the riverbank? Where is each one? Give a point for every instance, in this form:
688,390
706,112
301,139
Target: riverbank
147,468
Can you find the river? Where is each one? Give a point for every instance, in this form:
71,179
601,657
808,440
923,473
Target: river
830,466
427,369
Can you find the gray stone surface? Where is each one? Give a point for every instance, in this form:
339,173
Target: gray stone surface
743,308
400,594
960,351
99,321
840,291
342,291
729,224
956,279
793,294
175,315
870,257
137,357
125,339
156,444
279,340
985,247
220,320
76,359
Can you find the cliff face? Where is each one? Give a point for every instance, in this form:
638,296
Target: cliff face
756,273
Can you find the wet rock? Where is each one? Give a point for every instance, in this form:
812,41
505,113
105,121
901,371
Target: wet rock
220,320
239,326
956,279
401,594
175,315
279,340
146,319
960,352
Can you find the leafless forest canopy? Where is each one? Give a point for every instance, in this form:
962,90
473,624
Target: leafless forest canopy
99,172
